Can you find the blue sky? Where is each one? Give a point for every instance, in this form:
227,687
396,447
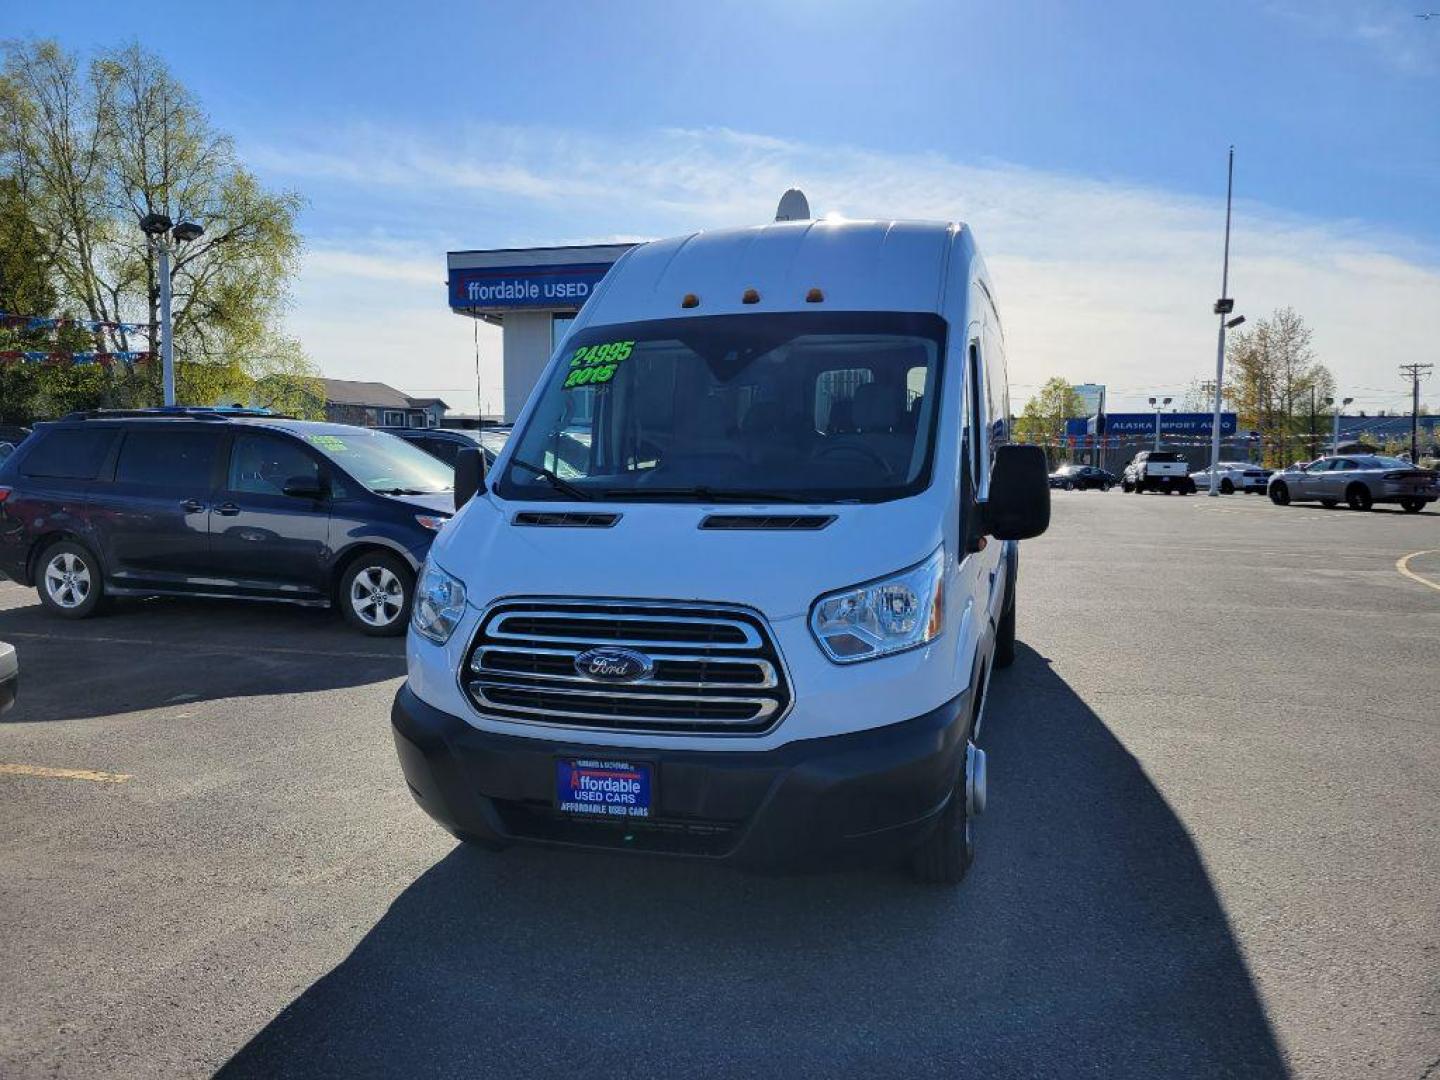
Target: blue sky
1085,141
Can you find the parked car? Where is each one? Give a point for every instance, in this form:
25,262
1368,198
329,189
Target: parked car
446,443
1358,480
1234,476
202,503
759,622
1082,478
1158,470
9,675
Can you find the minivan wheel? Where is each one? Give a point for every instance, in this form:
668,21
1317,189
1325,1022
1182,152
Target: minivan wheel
1358,497
375,594
1280,494
69,580
946,854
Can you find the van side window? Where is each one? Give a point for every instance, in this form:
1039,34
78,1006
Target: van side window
261,464
68,455
978,417
170,459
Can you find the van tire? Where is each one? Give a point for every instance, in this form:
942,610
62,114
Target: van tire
946,854
388,574
75,569
1005,636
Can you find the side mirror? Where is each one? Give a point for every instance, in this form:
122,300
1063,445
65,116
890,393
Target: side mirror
1019,503
304,487
469,474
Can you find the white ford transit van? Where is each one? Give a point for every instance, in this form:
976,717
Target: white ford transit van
736,584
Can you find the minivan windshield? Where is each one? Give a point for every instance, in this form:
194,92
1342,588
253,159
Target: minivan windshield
824,407
384,463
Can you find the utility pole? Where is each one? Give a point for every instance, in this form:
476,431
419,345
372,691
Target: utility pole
1223,307
1414,373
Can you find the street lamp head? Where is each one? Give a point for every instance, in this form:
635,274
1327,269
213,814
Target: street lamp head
1236,321
1329,401
154,224
1347,401
1224,306
187,231
1168,400
1152,401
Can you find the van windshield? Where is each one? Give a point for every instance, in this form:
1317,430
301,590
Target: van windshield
384,463
832,407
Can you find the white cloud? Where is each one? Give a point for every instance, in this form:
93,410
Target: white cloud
1098,280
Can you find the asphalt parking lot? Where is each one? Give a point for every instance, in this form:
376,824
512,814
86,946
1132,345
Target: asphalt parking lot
1212,849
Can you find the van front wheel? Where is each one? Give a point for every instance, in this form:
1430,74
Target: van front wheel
1005,637
948,851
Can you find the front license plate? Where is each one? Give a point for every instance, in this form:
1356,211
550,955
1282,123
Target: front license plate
598,788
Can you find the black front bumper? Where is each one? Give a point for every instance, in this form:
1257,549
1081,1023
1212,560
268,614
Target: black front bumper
816,803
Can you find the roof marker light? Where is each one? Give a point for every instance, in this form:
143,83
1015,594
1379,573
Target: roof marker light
690,300
750,296
814,296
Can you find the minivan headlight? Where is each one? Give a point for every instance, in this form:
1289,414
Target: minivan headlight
439,604
882,617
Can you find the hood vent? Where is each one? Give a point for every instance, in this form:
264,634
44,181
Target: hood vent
801,522
565,520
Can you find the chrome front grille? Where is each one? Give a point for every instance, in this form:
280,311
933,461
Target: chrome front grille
716,668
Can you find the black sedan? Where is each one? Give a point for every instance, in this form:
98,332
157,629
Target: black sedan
1081,477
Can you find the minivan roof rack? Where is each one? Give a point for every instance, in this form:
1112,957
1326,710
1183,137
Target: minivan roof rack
177,412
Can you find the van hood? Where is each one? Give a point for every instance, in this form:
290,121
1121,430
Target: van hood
659,551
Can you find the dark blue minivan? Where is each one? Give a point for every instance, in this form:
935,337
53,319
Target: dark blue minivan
210,503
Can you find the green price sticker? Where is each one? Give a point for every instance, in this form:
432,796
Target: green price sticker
332,443
594,364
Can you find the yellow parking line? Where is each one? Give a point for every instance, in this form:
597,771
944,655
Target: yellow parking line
93,775
1403,565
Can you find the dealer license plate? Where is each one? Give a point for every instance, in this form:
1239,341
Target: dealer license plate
599,788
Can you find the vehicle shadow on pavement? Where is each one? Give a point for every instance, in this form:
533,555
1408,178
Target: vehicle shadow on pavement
145,654
1088,940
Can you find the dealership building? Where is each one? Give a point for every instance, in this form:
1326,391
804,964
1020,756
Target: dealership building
533,295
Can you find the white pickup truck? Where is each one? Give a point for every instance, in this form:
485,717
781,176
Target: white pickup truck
1158,470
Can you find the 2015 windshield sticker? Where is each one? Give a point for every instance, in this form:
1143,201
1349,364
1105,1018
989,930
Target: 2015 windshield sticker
333,443
592,364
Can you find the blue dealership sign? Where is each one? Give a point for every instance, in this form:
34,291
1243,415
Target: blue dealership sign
525,286
1185,423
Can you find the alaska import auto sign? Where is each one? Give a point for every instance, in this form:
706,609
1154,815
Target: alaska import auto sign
1144,424
505,287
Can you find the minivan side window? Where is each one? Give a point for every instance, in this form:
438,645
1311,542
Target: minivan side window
175,459
68,455
261,464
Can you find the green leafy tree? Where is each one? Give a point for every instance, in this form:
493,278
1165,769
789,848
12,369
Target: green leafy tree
1277,387
89,151
1043,418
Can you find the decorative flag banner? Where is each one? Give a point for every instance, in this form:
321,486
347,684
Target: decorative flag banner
105,359
40,322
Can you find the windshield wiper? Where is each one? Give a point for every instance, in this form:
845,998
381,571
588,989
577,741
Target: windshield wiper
559,484
704,494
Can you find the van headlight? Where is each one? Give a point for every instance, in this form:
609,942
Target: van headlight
439,604
882,617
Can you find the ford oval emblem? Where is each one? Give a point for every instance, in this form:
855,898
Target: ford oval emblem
611,664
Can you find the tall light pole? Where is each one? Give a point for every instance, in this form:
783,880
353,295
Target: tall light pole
1335,440
156,226
1163,402
1223,307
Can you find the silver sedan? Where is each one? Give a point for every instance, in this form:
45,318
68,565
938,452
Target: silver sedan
1358,480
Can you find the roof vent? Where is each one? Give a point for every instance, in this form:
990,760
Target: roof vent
793,206
564,520
786,522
